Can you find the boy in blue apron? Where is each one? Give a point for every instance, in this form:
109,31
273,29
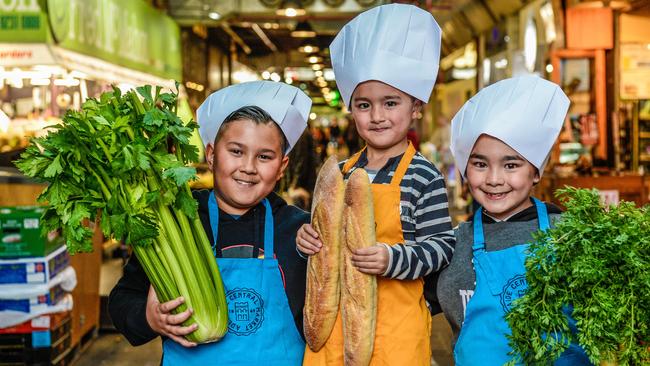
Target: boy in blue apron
501,139
247,129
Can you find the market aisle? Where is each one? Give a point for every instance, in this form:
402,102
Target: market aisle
114,349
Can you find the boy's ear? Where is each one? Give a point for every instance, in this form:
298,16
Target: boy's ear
283,167
536,178
209,155
417,108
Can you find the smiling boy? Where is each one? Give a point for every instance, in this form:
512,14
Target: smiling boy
386,62
501,140
247,129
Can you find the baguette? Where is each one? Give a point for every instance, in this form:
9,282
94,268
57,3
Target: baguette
358,290
323,268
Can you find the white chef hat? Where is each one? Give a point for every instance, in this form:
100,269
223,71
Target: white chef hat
396,44
287,105
526,113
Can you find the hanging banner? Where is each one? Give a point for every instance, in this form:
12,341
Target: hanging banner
22,21
635,71
25,54
125,32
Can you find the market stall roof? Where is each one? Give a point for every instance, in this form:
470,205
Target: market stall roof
255,23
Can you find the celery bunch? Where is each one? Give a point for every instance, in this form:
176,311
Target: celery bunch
121,161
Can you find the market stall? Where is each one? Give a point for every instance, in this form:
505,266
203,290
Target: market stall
52,58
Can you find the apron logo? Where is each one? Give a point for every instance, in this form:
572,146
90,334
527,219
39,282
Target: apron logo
514,289
245,311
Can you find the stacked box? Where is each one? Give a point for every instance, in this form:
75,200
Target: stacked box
21,234
34,270
35,303
49,346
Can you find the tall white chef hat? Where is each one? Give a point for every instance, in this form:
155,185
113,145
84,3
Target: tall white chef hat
396,44
525,112
287,105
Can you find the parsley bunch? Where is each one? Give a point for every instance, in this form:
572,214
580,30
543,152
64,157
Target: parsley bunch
597,260
121,161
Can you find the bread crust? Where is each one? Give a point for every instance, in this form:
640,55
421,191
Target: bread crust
323,268
358,290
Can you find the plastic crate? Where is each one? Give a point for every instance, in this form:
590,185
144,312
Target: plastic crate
43,347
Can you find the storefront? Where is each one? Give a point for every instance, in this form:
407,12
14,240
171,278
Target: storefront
51,60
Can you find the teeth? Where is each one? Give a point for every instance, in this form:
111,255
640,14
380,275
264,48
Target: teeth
244,182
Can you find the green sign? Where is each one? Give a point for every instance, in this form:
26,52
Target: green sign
22,21
129,33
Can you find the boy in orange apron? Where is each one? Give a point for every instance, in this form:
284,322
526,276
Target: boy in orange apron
386,62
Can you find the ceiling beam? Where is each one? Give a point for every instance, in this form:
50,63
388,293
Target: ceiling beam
235,37
260,33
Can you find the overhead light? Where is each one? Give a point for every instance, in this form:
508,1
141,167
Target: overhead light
317,67
314,59
214,15
291,8
303,30
308,48
66,82
39,82
312,116
328,74
318,73
266,75
549,68
275,77
288,80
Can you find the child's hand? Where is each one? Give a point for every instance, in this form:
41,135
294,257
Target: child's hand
371,260
307,240
163,322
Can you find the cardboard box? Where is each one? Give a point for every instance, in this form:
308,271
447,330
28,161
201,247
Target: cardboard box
40,323
21,236
34,304
34,270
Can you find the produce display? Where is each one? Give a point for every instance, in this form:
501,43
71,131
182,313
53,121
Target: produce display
596,262
323,278
358,290
121,162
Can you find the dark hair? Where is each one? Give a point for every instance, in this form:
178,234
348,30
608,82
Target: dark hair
256,115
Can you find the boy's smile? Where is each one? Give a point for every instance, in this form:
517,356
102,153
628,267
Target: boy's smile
499,178
246,164
383,115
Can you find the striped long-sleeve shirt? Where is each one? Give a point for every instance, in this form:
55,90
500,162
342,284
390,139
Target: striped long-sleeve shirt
428,235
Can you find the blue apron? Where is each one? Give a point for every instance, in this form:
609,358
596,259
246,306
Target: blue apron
500,279
261,329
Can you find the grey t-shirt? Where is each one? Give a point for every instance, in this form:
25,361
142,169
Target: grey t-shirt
456,283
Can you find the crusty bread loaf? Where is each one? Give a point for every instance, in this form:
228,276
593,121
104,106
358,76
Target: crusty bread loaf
358,290
323,273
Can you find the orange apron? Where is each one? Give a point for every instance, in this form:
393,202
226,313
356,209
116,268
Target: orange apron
403,320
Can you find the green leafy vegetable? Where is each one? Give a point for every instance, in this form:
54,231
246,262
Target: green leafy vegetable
597,260
121,161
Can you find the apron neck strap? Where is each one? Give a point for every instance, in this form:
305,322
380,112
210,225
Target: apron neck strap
401,168
213,211
403,164
352,160
479,238
542,214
